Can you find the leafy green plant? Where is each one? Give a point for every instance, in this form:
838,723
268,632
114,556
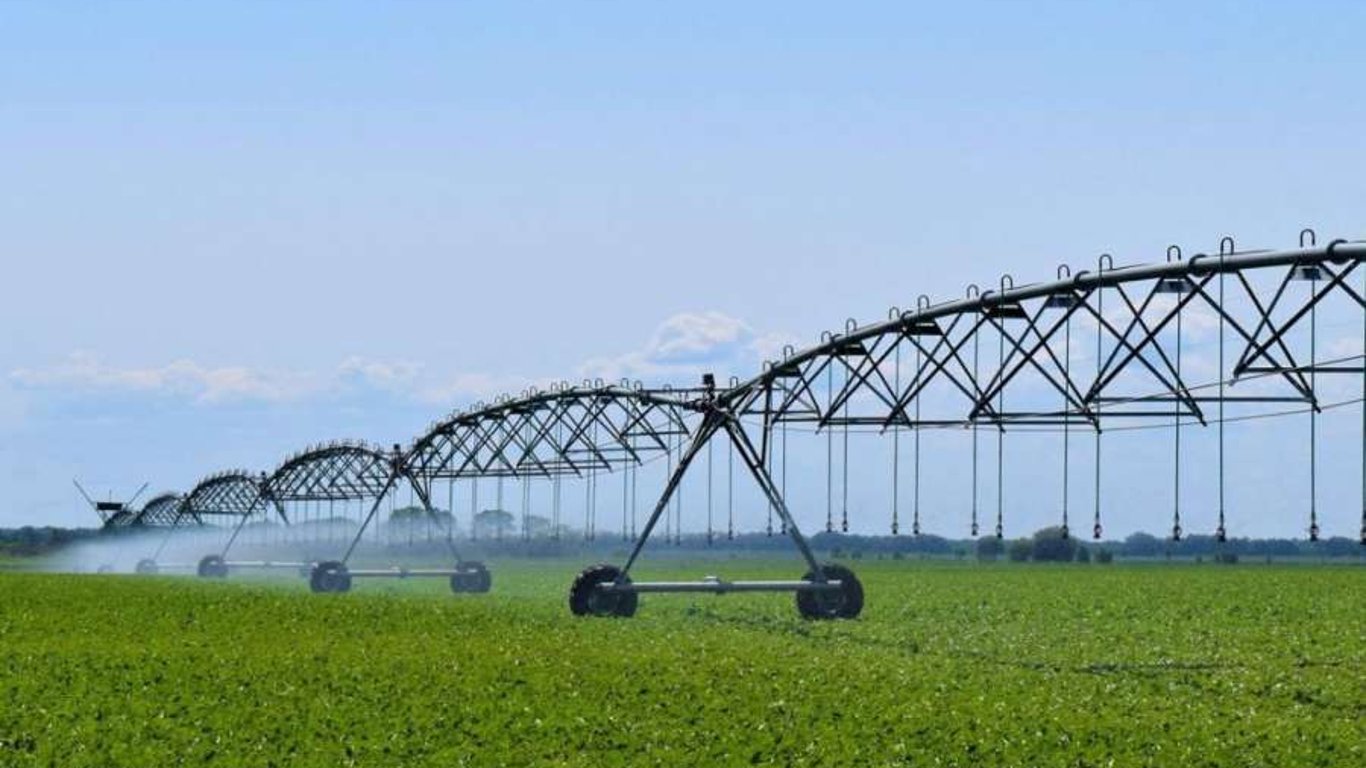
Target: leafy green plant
950,664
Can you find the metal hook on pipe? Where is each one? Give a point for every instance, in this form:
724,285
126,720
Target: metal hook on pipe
1173,253
1332,247
1310,235
1226,247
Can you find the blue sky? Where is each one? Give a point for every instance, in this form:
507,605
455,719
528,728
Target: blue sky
232,229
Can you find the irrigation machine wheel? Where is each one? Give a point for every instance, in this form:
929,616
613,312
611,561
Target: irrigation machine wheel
846,603
585,599
330,576
213,567
146,566
471,576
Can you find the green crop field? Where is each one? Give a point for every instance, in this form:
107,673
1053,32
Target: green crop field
951,664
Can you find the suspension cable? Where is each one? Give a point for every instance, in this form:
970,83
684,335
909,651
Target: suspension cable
730,490
1066,408
1096,530
588,511
915,435
976,382
829,448
555,520
526,508
678,499
450,510
669,472
896,444
1176,454
710,533
844,473
782,475
1313,414
1000,432
1221,533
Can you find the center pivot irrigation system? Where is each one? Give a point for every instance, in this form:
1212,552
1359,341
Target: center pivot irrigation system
999,360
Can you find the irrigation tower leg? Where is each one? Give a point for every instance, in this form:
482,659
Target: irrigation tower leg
468,575
714,422
755,462
711,423
374,508
237,529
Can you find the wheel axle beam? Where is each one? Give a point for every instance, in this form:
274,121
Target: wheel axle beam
720,587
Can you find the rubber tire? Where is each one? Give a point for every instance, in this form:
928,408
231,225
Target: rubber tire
146,566
330,576
586,600
847,603
212,567
471,576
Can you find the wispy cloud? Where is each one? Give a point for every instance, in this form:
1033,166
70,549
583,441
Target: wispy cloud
681,348
83,372
688,344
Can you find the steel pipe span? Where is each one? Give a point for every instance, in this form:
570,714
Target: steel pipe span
1340,252
1029,321
565,430
926,367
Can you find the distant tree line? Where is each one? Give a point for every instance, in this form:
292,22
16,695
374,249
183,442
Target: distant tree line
31,540
502,531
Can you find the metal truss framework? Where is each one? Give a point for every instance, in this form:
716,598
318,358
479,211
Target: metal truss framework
342,471
160,510
929,367
858,378
234,493
564,431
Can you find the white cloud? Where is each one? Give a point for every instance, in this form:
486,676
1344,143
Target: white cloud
688,344
83,372
379,374
770,346
472,386
680,349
